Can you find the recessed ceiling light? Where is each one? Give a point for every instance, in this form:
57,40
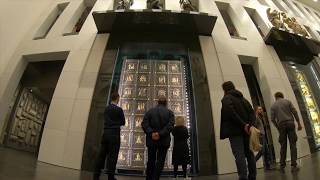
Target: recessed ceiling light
315,0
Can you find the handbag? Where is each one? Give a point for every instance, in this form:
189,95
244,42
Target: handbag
255,144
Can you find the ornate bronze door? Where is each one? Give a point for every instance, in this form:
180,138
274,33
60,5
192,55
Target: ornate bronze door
27,122
142,82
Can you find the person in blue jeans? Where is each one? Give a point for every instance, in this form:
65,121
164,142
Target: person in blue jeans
237,116
264,152
157,124
283,116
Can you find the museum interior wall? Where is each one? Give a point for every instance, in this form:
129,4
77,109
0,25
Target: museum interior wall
65,30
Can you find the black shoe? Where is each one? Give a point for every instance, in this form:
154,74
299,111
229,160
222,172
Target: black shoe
295,169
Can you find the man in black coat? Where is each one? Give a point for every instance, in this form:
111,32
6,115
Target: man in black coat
157,124
110,143
237,115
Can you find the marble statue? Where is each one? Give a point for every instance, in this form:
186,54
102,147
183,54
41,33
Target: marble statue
294,25
297,28
187,5
280,20
275,19
154,4
124,4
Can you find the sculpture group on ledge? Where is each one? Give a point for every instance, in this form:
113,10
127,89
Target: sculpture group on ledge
280,20
187,5
156,4
124,4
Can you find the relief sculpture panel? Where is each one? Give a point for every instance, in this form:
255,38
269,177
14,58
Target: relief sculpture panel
27,121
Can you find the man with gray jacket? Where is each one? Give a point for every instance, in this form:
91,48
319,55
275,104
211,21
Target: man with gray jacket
282,116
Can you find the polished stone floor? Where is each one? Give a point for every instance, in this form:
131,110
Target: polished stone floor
17,165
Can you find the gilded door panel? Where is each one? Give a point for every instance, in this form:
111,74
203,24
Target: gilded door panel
27,122
142,82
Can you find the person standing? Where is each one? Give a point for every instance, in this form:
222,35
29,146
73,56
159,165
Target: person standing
180,153
283,115
237,116
260,124
110,144
157,124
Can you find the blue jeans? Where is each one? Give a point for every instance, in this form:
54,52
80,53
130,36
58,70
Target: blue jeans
244,157
264,152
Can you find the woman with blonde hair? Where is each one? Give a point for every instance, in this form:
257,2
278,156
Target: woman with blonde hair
180,154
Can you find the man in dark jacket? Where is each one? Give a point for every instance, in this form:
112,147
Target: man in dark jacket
157,124
110,143
237,116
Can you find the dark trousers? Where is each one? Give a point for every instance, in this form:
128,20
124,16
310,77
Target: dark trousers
264,152
184,169
244,157
156,158
110,145
288,131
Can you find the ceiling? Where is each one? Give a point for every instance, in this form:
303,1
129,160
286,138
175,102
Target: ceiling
311,3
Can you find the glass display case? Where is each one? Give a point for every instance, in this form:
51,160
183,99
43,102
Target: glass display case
304,79
309,101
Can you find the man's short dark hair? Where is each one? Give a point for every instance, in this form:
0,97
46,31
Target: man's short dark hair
278,95
114,96
162,101
227,86
256,107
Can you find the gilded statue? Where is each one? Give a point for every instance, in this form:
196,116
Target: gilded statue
280,20
144,66
126,106
294,25
174,68
162,92
121,156
275,19
127,92
175,80
162,67
187,5
154,4
142,92
139,141
138,121
138,157
129,78
141,106
176,93
124,4
143,78
297,28
162,79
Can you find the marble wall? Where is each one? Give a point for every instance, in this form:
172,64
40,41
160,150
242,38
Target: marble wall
64,132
